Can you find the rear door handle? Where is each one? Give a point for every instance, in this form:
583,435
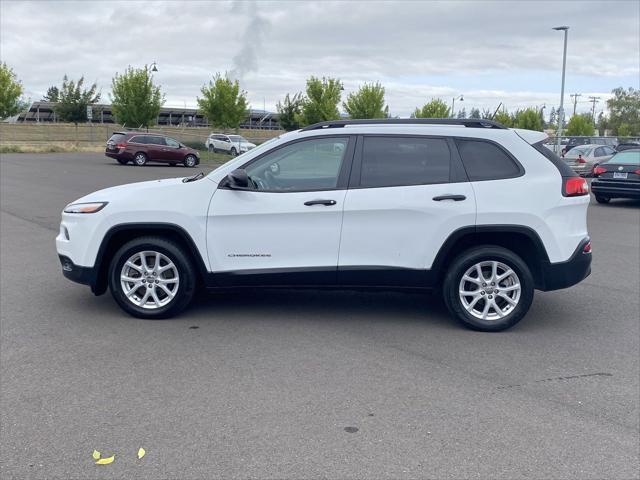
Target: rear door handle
320,202
455,198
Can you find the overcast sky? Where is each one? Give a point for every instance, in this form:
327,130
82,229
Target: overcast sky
489,51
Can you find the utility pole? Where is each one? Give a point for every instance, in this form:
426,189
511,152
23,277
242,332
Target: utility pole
564,29
593,100
575,101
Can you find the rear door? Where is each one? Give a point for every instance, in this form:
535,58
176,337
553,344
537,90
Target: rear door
155,147
407,194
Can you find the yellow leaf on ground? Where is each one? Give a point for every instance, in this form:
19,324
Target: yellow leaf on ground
141,452
96,455
106,461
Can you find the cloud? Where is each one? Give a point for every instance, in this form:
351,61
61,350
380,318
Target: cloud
490,51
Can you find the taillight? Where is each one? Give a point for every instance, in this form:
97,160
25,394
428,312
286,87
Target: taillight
637,172
581,160
599,170
587,247
121,145
575,187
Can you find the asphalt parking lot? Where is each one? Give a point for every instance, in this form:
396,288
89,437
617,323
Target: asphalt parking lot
282,384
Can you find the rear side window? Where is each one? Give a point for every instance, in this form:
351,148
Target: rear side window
139,139
564,169
156,140
118,138
398,161
486,161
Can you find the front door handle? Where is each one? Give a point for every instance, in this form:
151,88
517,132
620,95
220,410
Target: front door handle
328,203
455,198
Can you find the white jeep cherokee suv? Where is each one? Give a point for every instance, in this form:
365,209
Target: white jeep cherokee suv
483,213
231,144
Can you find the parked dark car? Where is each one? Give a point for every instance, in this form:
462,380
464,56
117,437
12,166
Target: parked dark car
627,146
618,178
140,148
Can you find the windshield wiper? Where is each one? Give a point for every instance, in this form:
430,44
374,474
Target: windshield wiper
193,178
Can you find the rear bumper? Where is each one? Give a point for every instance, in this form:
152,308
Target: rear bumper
622,189
566,274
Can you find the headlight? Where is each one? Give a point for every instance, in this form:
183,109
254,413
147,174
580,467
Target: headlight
85,207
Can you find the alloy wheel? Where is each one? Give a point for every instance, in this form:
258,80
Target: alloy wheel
490,290
149,279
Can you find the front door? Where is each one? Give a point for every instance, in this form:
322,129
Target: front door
407,195
284,230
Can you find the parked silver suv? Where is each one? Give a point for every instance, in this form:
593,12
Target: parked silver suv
231,144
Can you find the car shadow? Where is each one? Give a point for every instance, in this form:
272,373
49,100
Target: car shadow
618,202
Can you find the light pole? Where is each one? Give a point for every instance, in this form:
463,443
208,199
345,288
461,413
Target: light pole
453,103
564,68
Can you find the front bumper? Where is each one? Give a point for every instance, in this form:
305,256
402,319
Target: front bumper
76,273
566,274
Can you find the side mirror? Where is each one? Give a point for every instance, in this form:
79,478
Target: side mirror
238,179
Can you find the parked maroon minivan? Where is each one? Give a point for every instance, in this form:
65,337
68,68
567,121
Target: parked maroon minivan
141,148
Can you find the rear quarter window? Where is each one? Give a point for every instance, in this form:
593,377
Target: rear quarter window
486,161
118,138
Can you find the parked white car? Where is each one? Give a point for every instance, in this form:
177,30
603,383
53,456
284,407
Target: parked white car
231,144
482,213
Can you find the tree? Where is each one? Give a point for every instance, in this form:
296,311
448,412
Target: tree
602,124
528,119
475,113
223,103
504,118
436,108
624,108
10,92
73,100
53,95
462,113
289,111
135,100
624,130
367,102
553,118
580,126
321,102
487,114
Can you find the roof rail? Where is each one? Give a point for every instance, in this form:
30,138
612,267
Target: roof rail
467,122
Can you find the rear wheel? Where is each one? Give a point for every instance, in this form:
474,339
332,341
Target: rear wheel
151,277
190,161
488,288
122,161
601,199
211,148
140,159
233,152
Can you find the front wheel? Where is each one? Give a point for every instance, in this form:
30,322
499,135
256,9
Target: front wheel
190,161
488,288
601,199
150,277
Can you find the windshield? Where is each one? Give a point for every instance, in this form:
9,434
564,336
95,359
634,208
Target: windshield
575,151
237,138
629,157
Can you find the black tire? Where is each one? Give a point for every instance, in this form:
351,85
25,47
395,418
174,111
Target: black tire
211,148
466,261
601,199
186,272
233,152
140,159
122,161
190,161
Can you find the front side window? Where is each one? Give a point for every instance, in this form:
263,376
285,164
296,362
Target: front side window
301,166
172,143
401,161
156,140
486,161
